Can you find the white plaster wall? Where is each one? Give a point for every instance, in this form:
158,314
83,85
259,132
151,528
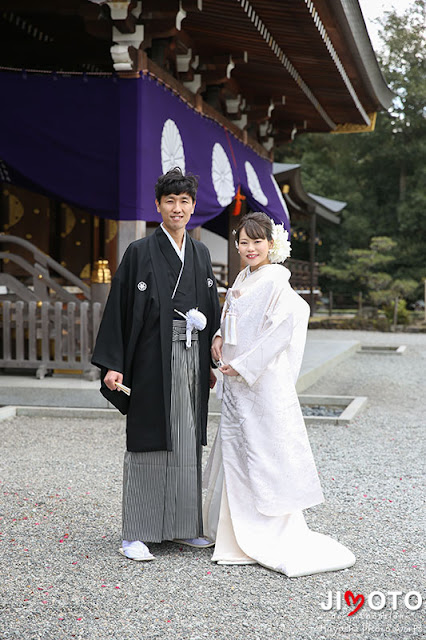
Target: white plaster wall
217,246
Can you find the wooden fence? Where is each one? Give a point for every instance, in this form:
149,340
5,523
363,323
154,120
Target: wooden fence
47,336
300,273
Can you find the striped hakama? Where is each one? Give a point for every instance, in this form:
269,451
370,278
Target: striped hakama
162,489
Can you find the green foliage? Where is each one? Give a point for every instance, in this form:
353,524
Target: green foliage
363,271
402,312
381,175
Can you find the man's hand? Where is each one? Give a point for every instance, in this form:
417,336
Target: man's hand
227,370
213,380
111,378
216,349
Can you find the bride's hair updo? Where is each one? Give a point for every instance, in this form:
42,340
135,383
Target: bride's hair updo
256,225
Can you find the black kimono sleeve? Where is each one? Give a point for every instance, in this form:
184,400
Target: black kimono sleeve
110,347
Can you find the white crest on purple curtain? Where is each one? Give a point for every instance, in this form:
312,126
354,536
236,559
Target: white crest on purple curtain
254,184
172,153
280,196
223,180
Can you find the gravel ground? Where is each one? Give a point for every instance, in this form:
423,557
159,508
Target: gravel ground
62,577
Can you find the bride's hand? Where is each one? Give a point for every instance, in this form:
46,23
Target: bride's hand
227,370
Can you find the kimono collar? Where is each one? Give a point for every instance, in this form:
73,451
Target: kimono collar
180,252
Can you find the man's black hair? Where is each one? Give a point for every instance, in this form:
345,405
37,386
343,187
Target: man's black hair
174,181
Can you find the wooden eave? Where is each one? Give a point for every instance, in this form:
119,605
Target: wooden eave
264,78
300,200
346,26
285,68
345,97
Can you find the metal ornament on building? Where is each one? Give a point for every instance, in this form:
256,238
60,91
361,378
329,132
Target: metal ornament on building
101,272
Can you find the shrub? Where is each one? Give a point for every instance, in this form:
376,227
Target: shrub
402,312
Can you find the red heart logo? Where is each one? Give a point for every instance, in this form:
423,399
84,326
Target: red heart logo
352,600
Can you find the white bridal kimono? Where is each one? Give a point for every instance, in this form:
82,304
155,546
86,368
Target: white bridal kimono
261,472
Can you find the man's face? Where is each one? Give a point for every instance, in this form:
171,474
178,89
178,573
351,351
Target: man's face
176,211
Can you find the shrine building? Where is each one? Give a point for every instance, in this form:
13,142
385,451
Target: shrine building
99,98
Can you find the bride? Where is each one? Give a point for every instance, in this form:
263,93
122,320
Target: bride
261,473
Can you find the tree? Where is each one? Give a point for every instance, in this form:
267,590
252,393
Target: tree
363,272
380,175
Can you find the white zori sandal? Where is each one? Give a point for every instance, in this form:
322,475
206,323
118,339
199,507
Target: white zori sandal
198,543
136,550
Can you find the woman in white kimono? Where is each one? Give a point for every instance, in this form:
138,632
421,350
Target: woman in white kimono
261,472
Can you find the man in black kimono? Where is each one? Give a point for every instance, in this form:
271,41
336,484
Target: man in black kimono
145,343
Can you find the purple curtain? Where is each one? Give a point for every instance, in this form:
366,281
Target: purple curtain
101,143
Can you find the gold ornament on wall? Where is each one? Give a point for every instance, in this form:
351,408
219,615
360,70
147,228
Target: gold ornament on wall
16,211
69,220
101,272
85,272
112,227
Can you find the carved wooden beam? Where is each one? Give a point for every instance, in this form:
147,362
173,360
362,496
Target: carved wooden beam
127,34
139,25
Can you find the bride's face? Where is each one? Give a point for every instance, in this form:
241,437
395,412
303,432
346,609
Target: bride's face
254,252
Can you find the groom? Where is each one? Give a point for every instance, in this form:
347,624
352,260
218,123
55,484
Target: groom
142,344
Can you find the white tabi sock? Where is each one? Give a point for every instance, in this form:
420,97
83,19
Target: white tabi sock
136,550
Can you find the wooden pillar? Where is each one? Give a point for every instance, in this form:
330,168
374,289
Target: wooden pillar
54,230
195,233
128,231
110,251
313,232
234,261
96,245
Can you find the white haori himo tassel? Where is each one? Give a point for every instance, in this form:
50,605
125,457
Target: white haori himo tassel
194,320
230,336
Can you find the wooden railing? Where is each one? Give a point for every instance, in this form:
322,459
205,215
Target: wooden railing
44,324
300,273
220,271
41,274
46,336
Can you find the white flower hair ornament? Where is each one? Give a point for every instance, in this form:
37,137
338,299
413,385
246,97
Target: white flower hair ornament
281,248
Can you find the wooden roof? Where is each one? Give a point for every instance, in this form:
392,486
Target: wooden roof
279,66
289,178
